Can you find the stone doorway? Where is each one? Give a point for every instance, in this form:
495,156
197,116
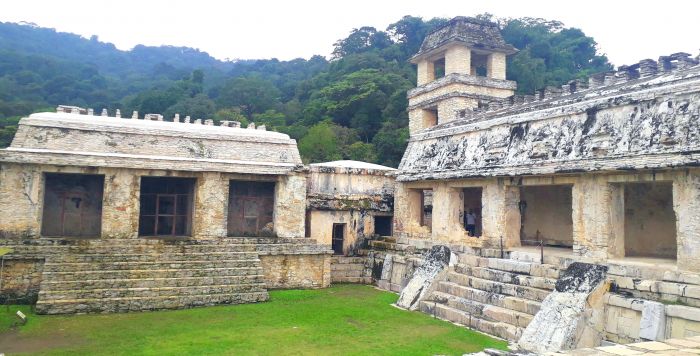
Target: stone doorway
643,220
72,205
166,206
472,205
250,209
338,238
546,215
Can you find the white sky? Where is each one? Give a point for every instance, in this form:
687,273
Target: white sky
626,31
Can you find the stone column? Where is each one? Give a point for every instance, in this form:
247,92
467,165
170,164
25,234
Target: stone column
446,224
21,192
616,242
419,119
458,60
211,206
120,203
686,205
425,72
591,216
290,206
501,214
496,66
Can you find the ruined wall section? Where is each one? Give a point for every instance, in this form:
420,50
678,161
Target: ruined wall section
643,123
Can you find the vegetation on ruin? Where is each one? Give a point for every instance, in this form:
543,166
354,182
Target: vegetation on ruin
349,107
344,319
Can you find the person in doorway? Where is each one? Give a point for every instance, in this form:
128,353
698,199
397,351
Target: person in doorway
471,222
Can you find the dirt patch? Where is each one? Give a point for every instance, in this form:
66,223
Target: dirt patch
13,342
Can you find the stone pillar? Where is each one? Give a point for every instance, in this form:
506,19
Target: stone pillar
616,242
425,72
446,209
501,214
21,192
290,206
458,60
496,66
402,214
211,206
120,204
591,198
686,205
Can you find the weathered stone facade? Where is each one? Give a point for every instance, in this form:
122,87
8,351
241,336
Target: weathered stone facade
604,172
73,240
348,202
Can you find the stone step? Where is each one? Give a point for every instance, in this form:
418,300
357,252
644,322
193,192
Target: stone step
347,260
483,311
534,269
145,249
347,267
351,279
530,293
498,329
253,269
147,282
351,274
504,301
114,305
150,292
118,266
507,277
153,257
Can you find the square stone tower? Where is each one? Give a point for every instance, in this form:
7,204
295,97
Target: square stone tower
461,66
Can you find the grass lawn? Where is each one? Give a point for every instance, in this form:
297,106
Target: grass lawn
341,320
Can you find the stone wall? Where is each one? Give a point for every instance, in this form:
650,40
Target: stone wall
295,265
22,191
20,279
597,219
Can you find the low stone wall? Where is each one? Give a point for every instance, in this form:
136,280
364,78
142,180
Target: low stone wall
20,279
294,263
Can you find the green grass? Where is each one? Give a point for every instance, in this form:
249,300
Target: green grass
342,320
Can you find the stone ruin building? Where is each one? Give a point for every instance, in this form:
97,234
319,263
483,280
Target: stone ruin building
586,201
111,214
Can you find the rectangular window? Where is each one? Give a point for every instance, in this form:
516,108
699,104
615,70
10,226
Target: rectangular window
250,209
72,205
166,206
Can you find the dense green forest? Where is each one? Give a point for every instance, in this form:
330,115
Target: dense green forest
351,106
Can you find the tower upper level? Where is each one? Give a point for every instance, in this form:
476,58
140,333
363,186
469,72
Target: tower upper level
461,66
464,45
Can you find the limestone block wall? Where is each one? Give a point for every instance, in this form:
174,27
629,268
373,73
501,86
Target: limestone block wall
21,279
22,191
623,320
458,59
290,205
295,265
595,228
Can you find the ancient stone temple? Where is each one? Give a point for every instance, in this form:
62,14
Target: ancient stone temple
119,214
603,171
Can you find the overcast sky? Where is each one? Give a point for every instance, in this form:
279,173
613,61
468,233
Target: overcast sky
626,31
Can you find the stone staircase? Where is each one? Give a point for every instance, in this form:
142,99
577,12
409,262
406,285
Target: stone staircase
134,275
350,269
493,295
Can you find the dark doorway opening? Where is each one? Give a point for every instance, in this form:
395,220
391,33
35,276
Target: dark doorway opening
250,208
382,225
650,221
72,205
546,215
338,238
166,206
426,208
472,211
